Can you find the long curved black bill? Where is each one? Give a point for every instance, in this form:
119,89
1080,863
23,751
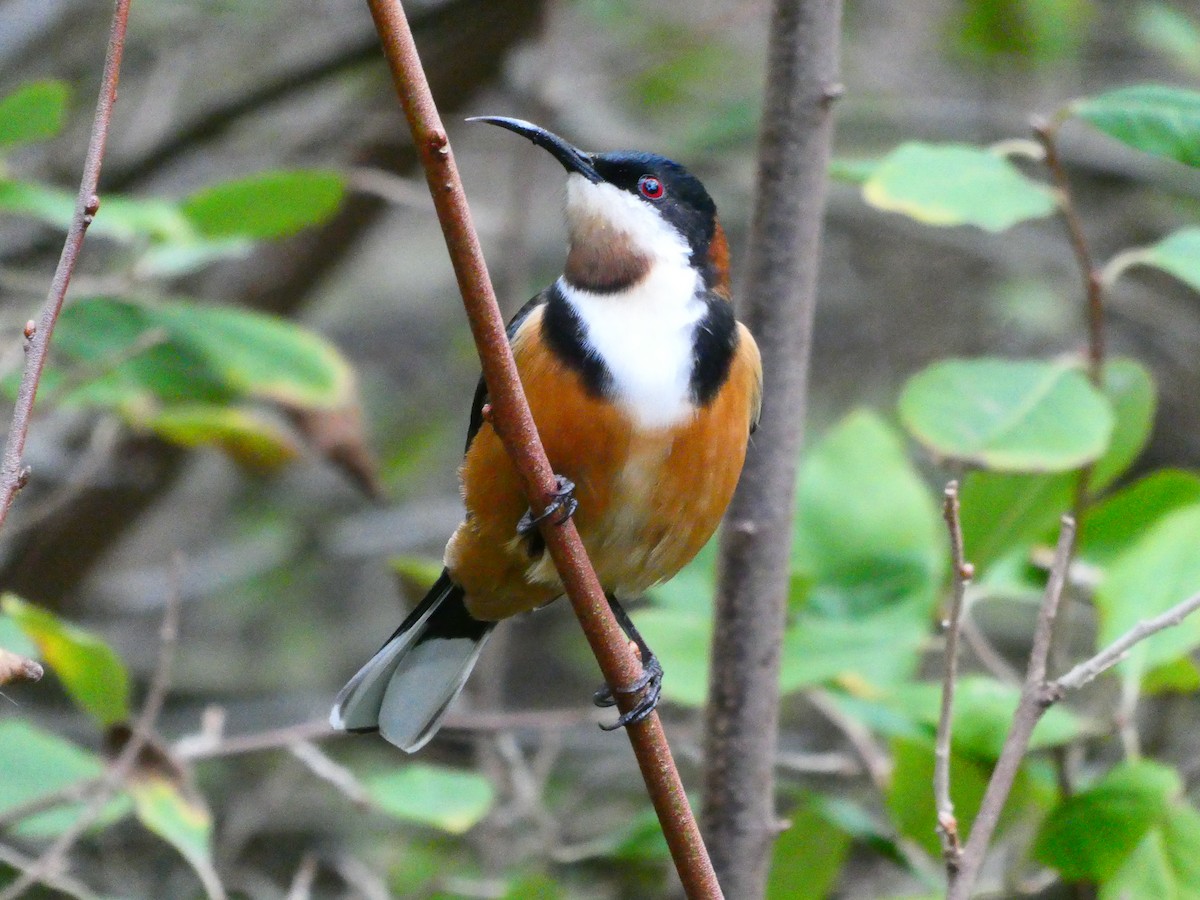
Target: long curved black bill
572,158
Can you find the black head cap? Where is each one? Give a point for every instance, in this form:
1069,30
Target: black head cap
665,185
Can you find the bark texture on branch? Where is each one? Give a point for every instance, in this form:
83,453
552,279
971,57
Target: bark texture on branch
794,147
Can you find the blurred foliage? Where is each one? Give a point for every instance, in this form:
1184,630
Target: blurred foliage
868,561
1021,32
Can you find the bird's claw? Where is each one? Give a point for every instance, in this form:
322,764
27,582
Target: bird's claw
562,504
649,682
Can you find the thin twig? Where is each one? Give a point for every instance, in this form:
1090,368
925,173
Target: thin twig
123,766
1033,703
302,881
13,475
60,882
1119,649
985,652
210,744
873,756
75,792
332,772
1047,135
961,573
515,427
1093,291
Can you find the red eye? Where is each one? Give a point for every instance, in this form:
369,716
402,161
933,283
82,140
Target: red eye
650,187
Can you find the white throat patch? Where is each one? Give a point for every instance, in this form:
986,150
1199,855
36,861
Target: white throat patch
644,334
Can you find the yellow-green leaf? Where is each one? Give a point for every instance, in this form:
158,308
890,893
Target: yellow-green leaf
92,673
183,822
249,437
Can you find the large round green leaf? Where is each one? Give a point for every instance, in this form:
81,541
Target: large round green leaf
1007,415
956,184
1153,118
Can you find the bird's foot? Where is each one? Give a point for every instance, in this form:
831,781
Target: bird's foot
562,504
649,683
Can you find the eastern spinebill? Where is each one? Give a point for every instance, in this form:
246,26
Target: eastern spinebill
645,390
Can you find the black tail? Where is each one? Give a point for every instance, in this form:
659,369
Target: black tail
404,690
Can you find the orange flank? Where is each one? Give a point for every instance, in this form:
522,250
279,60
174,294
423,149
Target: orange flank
648,499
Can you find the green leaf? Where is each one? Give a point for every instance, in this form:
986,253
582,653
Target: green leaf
640,841
983,714
1178,254
34,764
33,112
91,672
1118,522
1007,415
852,171
956,184
1179,677
1022,33
808,857
120,218
681,640
1153,118
266,205
862,653
1130,389
1003,512
1171,32
183,822
14,640
1091,835
449,799
247,436
179,351
1158,571
867,533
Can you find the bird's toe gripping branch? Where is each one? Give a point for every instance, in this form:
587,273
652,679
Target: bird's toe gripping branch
649,683
561,506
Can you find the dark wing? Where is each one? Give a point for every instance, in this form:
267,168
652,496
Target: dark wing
476,420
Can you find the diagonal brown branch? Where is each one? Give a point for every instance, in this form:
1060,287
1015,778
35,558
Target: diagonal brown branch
37,334
514,425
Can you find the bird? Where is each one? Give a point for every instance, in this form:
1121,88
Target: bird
645,390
